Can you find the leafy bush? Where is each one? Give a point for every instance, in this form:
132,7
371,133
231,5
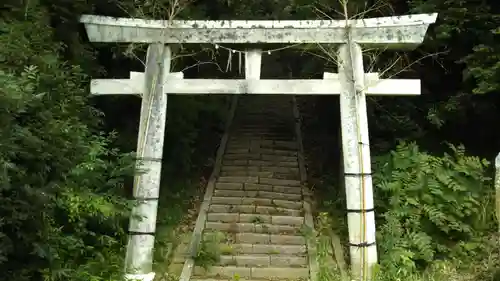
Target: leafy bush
430,208
60,184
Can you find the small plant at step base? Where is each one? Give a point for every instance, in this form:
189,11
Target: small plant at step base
274,252
209,252
257,220
226,249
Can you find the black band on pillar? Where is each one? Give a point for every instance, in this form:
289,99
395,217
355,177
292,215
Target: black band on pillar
145,198
357,174
362,245
140,233
152,159
360,210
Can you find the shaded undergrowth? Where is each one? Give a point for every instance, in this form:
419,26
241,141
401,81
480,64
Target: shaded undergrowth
434,212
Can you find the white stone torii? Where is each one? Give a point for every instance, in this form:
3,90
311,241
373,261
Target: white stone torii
330,85
352,84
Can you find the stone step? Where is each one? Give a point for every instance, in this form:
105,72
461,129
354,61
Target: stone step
290,144
291,170
257,194
257,260
273,130
268,122
285,176
256,140
262,151
228,168
246,174
270,249
263,112
297,205
256,237
258,180
240,249
254,187
253,209
267,273
258,156
259,163
259,228
257,207
256,145
262,133
263,260
278,113
280,144
260,136
255,218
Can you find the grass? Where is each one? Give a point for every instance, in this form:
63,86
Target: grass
209,251
172,220
257,220
331,238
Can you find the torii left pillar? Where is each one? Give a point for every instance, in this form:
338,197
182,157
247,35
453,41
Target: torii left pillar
142,226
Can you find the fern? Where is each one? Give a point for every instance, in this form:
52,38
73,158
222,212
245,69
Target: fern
427,203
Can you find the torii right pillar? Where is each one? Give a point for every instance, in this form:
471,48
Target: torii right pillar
356,149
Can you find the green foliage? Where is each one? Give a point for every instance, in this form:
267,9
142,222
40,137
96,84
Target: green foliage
476,23
208,252
193,128
430,207
483,65
60,184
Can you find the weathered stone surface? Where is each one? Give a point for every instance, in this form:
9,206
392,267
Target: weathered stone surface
276,229
246,174
255,218
279,273
234,193
175,268
285,261
237,150
280,182
227,200
220,208
230,227
288,220
227,168
288,189
248,156
224,271
288,204
259,187
223,217
276,249
238,162
258,202
271,151
239,179
269,249
279,195
277,158
277,211
253,260
228,185
287,239
277,169
253,238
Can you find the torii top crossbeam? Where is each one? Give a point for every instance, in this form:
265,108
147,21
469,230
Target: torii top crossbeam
385,32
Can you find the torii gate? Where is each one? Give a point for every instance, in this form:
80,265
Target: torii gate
352,84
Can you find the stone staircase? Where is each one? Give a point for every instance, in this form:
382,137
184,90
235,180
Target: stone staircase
259,208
